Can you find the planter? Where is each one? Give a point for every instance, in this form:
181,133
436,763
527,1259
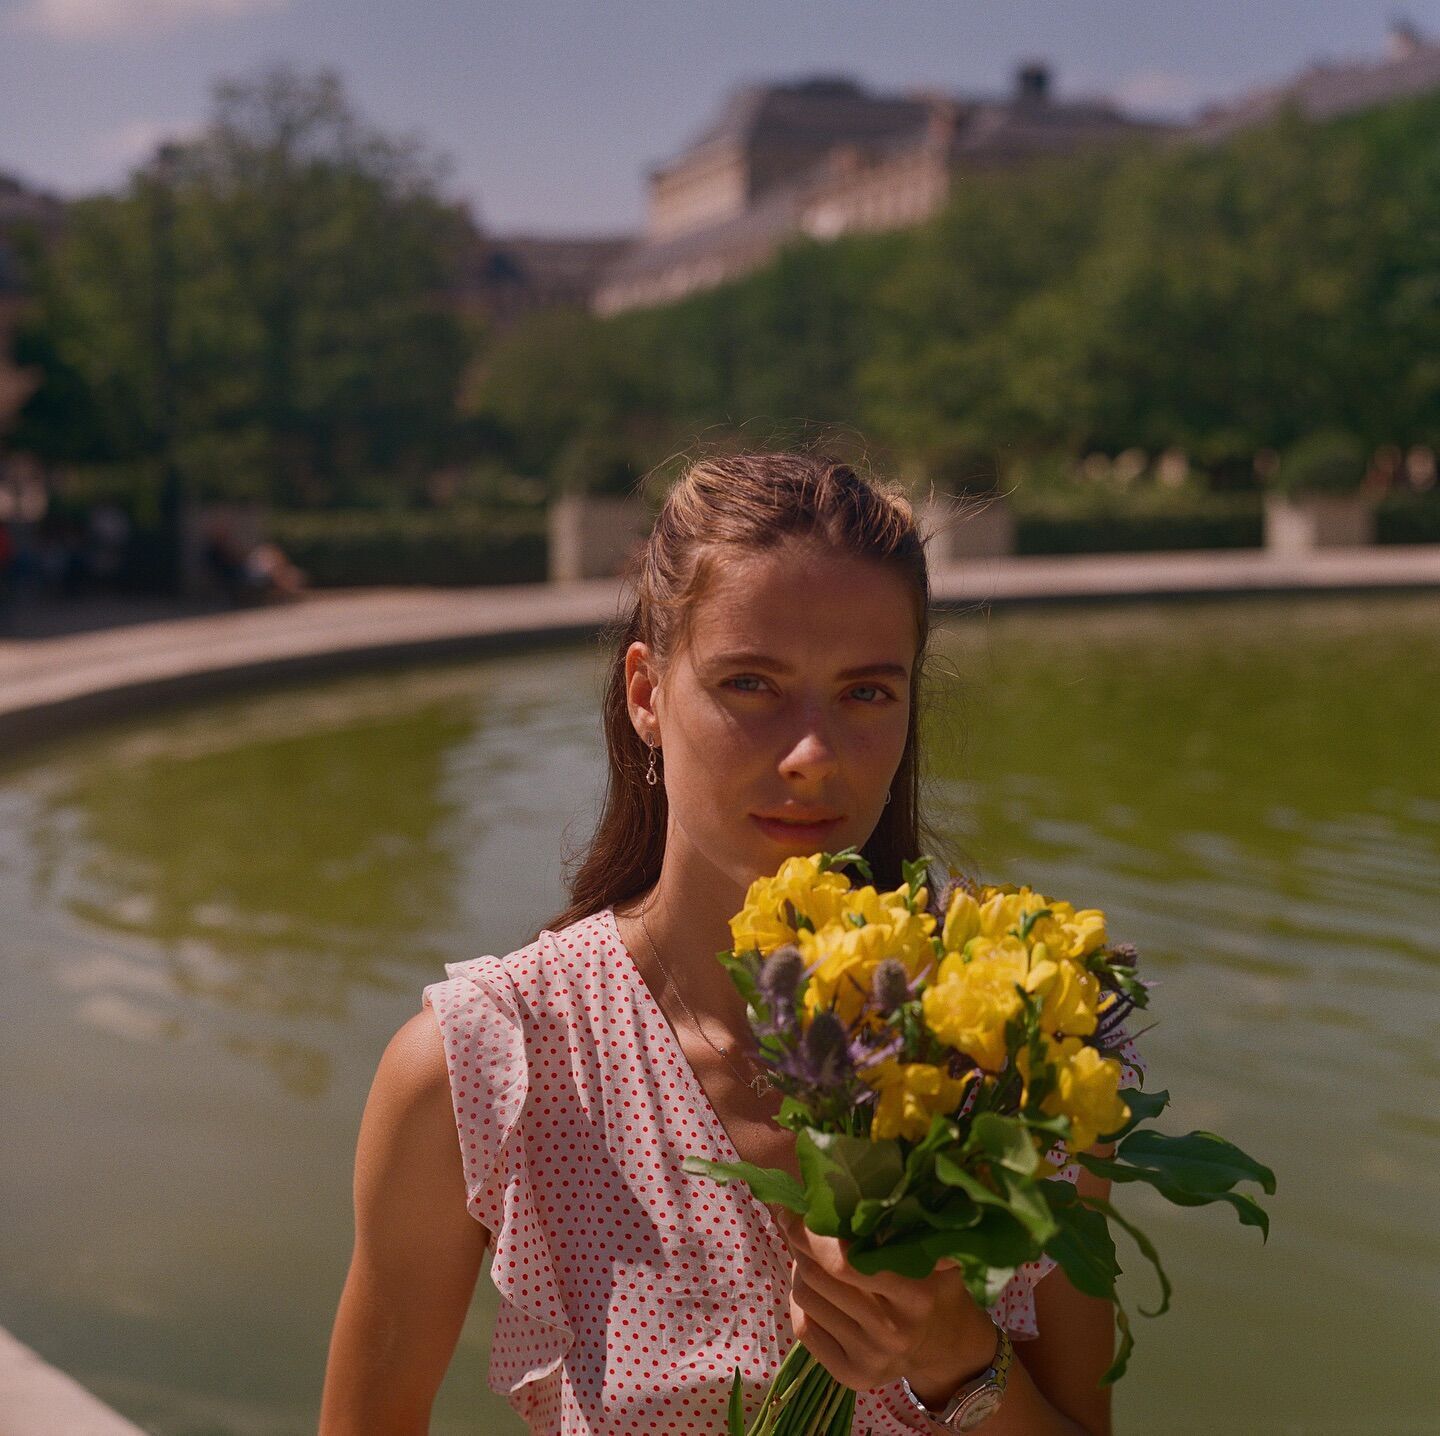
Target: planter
1302,523
956,528
592,536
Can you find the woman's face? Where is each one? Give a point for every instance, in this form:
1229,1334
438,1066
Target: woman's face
792,695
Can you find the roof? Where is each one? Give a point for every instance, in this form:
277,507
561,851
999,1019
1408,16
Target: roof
1328,89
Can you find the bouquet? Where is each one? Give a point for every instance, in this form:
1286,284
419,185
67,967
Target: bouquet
933,1056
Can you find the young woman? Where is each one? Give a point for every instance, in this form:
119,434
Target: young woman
762,702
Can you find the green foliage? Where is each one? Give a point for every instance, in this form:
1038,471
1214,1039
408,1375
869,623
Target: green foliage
1329,461
1218,299
358,548
265,305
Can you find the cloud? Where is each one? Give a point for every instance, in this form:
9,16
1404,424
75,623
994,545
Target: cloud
1159,92
99,19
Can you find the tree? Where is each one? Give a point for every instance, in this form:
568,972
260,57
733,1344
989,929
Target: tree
267,306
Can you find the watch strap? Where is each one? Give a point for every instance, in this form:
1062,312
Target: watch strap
951,1417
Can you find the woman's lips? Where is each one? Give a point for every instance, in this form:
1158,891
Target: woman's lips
792,833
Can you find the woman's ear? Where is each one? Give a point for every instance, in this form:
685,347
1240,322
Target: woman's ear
641,688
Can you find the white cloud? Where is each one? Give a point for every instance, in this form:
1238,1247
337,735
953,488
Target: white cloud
1158,92
98,19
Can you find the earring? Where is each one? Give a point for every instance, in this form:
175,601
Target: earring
887,795
650,771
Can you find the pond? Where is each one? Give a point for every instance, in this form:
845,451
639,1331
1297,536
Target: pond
214,920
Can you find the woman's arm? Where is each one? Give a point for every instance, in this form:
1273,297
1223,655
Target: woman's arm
1076,1341
417,1248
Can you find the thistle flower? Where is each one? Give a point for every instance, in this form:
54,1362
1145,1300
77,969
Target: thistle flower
889,986
824,1053
778,981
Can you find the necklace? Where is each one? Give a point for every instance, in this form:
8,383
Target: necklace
760,1083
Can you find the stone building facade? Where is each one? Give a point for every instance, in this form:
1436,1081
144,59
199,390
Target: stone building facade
825,157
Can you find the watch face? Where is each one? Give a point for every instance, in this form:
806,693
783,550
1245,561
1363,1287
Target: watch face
980,1407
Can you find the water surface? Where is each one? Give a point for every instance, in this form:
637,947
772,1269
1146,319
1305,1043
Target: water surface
215,919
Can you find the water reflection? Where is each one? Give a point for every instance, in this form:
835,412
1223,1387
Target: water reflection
215,920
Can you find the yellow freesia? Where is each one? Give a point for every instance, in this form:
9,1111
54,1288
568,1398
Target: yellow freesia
1069,995
1086,1089
974,996
763,922
911,1093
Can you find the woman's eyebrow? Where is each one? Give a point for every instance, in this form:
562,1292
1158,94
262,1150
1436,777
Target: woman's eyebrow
776,665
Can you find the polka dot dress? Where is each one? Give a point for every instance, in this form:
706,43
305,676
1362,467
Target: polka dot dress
630,1291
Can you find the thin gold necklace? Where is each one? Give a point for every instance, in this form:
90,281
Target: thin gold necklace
761,1082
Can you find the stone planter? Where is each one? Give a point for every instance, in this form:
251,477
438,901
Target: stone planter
1302,523
592,535
957,528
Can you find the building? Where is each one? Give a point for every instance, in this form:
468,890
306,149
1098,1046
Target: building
1410,66
504,278
824,157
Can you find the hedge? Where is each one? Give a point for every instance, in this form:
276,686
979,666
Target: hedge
359,548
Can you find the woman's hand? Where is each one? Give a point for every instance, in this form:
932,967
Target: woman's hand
869,1331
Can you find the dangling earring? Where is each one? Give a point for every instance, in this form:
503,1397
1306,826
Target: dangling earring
887,795
650,771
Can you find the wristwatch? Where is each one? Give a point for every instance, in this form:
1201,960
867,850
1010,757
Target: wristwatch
979,1398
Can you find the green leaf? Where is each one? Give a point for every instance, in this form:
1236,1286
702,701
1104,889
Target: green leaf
913,1255
1141,1241
1143,1107
851,1167
771,1185
1083,1245
1198,1162
954,1175
998,1239
1006,1141
1116,1369
736,1412
1028,1205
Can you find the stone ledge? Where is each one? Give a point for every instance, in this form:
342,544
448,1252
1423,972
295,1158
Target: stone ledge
38,1400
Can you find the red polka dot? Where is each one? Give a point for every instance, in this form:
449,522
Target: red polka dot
630,1291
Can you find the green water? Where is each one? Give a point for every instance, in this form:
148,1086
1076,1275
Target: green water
213,921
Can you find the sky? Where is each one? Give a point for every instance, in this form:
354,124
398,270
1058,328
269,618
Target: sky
551,112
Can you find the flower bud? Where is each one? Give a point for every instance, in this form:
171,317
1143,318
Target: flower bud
780,975
890,985
826,1048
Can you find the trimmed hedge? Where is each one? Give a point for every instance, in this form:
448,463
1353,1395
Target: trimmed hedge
1144,523
348,548
351,548
1409,518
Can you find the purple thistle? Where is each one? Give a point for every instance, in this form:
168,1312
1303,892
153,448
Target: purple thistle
890,986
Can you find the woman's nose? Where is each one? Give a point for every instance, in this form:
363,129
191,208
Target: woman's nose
812,754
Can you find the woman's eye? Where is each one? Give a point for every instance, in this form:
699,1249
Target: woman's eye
861,688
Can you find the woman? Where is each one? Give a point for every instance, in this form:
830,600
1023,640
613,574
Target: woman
762,702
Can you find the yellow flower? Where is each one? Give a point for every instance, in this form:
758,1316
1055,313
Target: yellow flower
1086,1090
1064,931
1069,995
962,921
847,955
910,1095
763,922
974,996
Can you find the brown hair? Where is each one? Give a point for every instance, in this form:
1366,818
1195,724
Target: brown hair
748,501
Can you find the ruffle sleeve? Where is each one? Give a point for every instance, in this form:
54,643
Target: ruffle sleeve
479,1016
1015,1309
